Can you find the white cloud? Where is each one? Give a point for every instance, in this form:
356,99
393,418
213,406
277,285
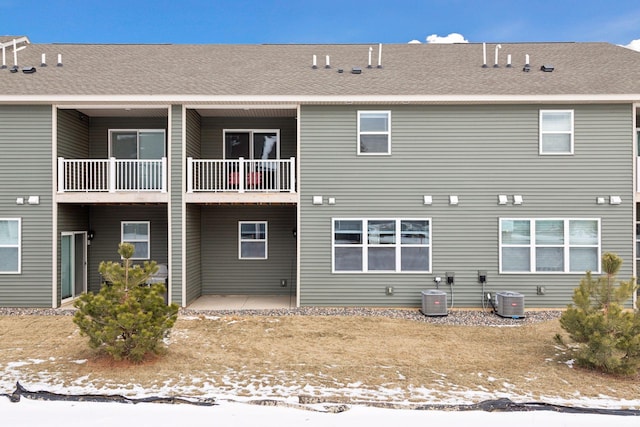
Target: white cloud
635,45
451,38
414,41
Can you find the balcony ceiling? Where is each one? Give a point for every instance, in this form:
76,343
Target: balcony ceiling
247,112
203,111
124,112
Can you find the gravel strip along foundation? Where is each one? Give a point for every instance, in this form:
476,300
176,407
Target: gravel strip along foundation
456,317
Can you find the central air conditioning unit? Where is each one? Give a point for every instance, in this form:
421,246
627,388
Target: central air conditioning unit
434,303
510,304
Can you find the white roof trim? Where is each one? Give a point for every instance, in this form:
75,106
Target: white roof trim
312,99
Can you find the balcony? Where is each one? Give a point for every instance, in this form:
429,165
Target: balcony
101,179
241,180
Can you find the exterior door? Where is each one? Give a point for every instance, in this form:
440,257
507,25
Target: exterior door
73,261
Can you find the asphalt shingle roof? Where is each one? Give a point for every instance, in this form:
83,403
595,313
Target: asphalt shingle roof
428,70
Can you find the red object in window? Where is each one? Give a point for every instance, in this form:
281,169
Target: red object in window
234,179
254,179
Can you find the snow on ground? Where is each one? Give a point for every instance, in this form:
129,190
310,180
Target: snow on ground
234,397
28,413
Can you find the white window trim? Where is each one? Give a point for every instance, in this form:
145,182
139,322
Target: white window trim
532,246
541,132
138,131
19,246
388,132
148,240
365,245
251,132
265,240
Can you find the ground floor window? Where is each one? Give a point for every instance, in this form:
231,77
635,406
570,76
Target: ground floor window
549,245
139,235
252,240
381,245
10,245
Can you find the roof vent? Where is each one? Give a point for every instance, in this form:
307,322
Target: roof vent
28,70
547,68
526,67
356,70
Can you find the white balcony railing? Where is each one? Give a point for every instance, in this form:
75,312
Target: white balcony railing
241,175
111,175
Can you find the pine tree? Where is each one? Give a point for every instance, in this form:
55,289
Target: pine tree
126,318
607,335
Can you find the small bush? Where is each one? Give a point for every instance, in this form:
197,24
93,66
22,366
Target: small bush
607,336
126,318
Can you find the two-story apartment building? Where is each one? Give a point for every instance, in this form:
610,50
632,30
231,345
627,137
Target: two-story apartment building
340,174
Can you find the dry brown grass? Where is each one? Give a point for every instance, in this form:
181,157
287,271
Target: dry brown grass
305,355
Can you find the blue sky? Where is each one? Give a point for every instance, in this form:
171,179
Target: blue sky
318,21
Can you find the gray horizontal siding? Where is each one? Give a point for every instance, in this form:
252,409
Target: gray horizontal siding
194,249
73,135
193,134
476,153
106,222
177,170
26,170
224,273
193,240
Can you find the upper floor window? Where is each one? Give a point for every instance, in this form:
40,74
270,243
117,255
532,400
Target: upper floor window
134,144
381,245
374,132
255,144
549,245
138,234
556,131
10,245
253,240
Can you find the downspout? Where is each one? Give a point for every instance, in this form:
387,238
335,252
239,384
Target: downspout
183,213
54,207
636,129
298,228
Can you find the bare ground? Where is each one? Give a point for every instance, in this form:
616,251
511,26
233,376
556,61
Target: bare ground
337,357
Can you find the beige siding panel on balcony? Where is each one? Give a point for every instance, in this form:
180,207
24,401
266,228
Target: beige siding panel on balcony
224,273
476,153
25,170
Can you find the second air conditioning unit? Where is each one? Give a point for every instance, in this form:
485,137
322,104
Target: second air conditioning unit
434,303
510,304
